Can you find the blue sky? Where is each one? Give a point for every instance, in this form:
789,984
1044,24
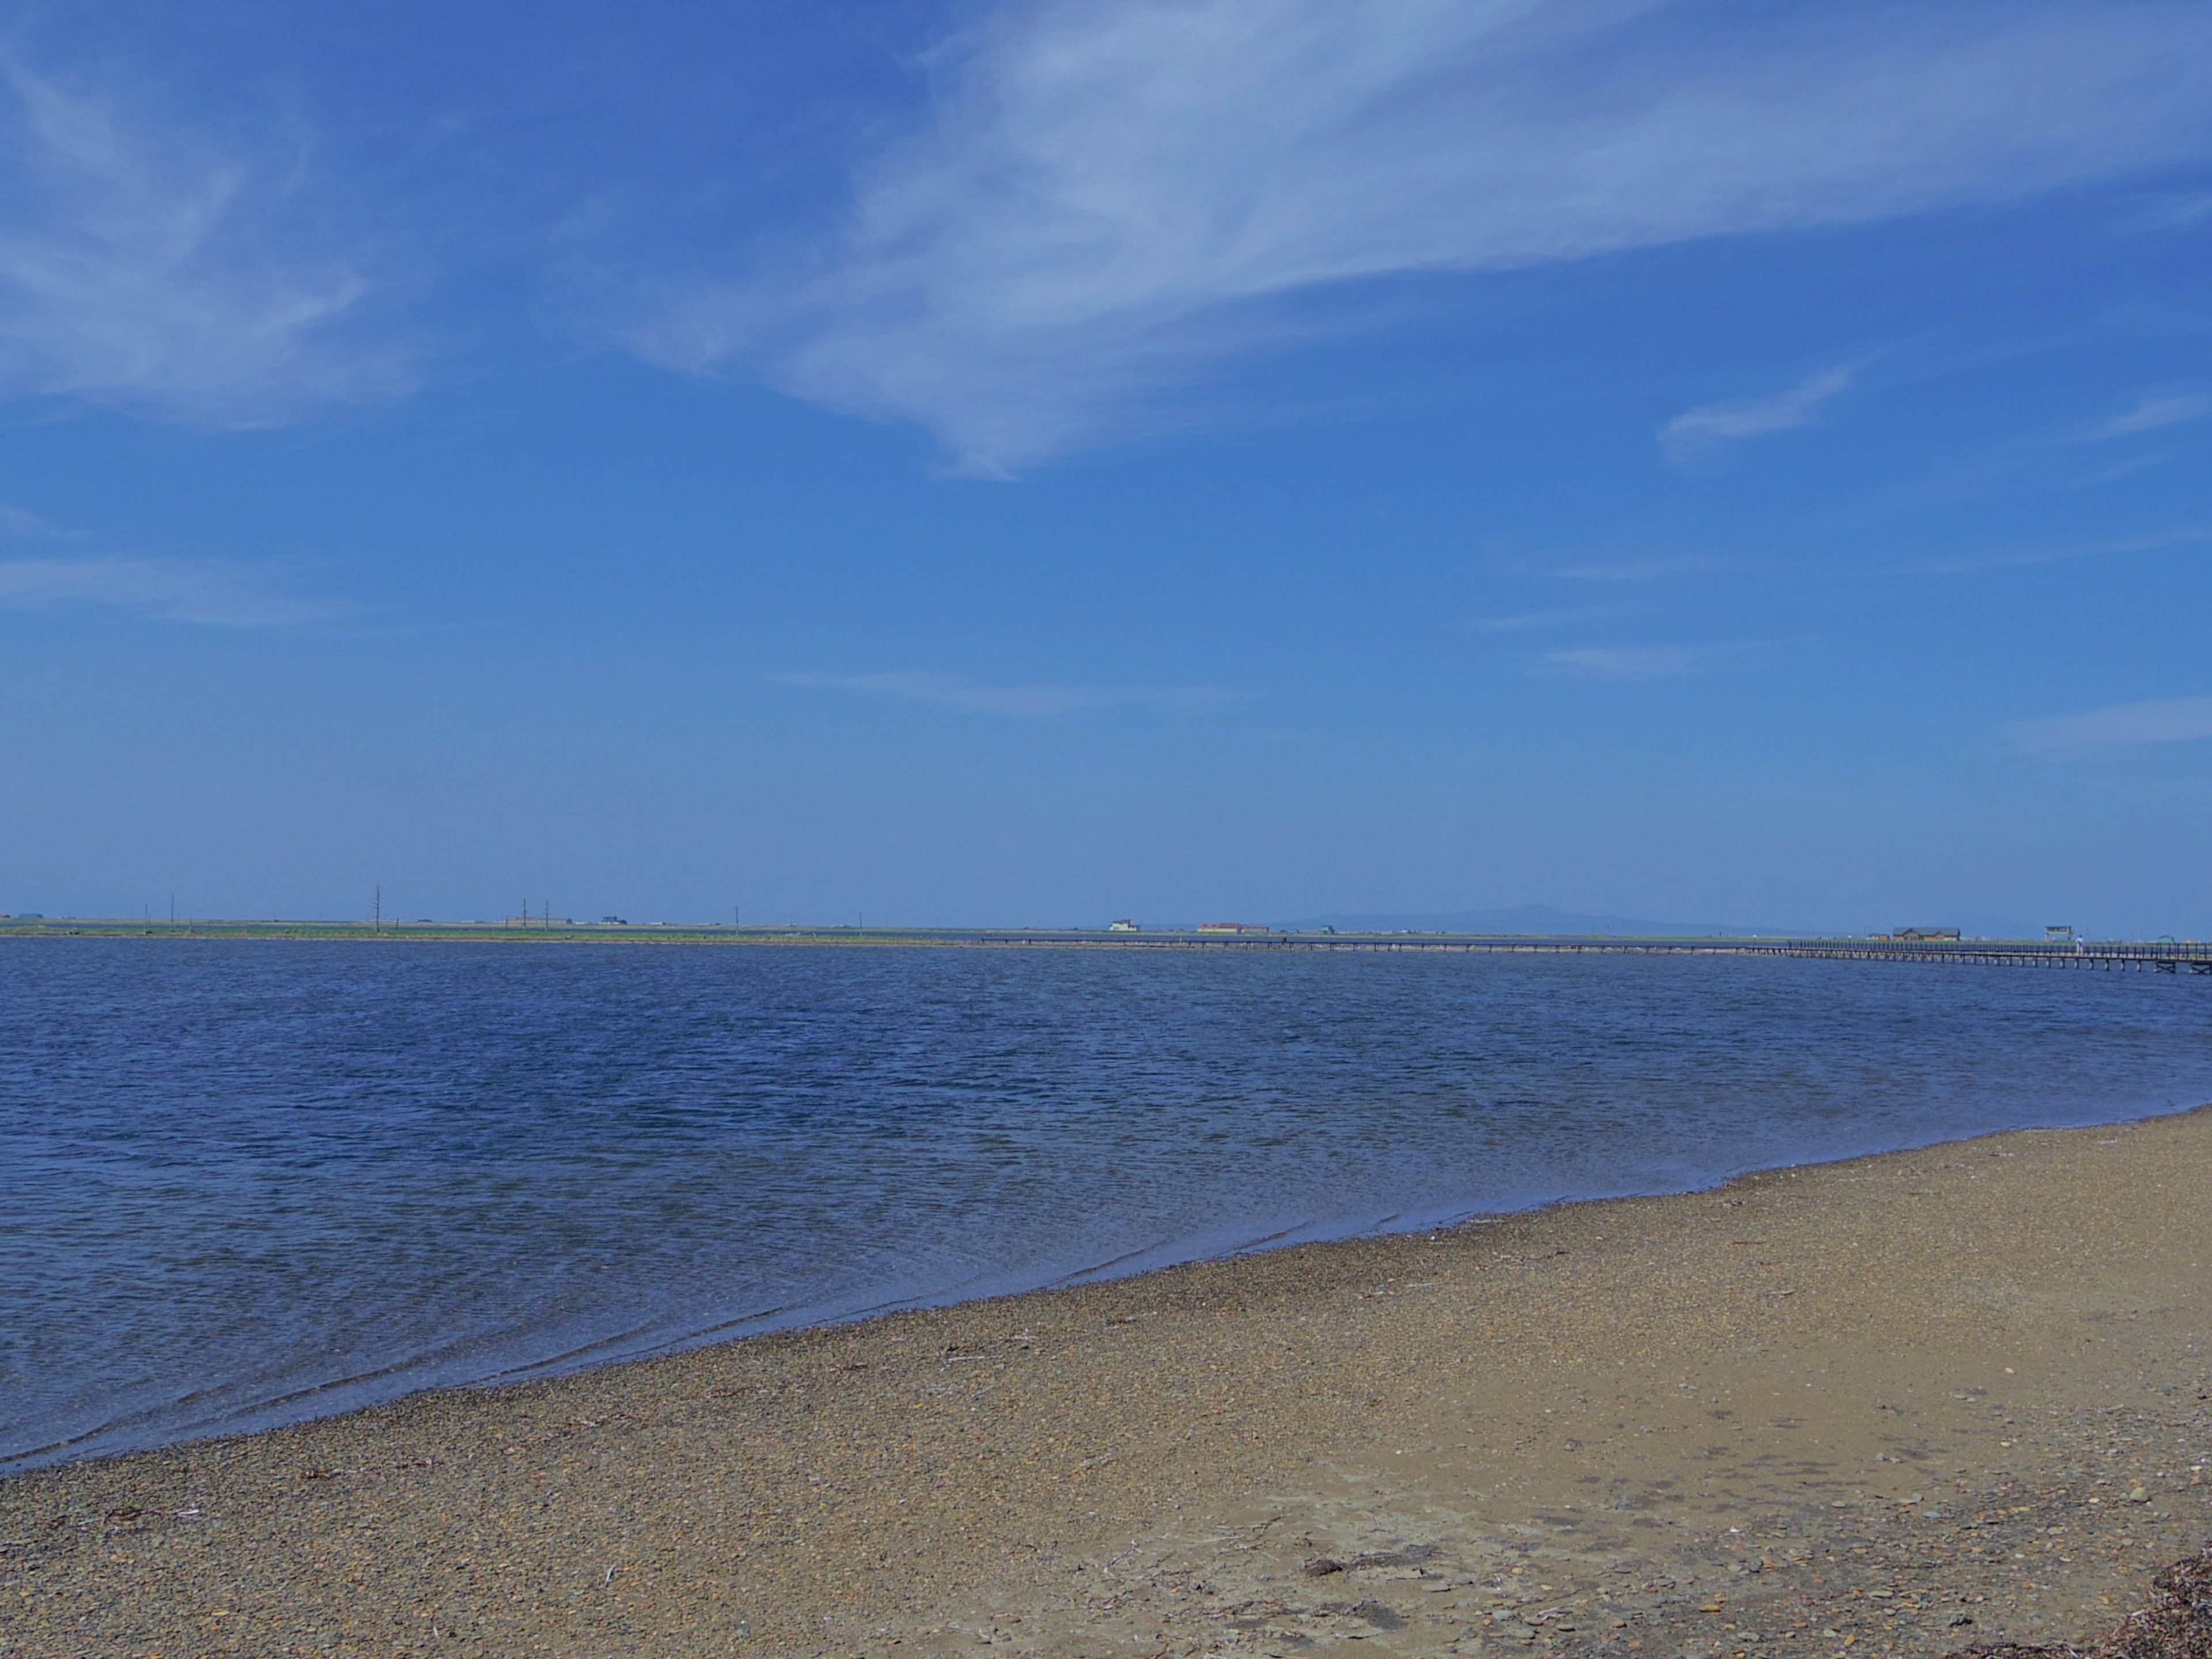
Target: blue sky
1045,462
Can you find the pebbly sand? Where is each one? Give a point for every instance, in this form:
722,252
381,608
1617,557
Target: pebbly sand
1892,1405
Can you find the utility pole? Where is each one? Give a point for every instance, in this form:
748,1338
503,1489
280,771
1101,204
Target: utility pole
377,924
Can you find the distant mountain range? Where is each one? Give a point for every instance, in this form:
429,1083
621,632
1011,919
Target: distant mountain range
1544,918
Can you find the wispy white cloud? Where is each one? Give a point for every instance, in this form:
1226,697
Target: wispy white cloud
1029,702
1656,567
1526,622
214,593
2127,466
145,266
1695,431
2171,211
2028,558
1646,662
25,525
1101,201
2171,719
2153,412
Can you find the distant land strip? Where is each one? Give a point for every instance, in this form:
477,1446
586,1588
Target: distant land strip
2159,956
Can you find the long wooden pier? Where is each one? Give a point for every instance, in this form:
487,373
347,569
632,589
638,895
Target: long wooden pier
2161,956
2164,955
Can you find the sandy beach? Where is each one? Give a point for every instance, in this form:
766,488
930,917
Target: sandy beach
1891,1405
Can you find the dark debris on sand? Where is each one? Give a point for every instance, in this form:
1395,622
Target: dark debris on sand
2177,1624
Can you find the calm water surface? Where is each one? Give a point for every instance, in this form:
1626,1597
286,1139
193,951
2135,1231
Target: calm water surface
244,1182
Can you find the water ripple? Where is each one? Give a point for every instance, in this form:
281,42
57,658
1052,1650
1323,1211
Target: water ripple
242,1182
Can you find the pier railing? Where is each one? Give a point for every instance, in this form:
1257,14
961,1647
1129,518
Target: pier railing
2164,955
2168,958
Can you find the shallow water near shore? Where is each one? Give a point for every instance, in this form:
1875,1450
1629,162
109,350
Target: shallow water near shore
245,1182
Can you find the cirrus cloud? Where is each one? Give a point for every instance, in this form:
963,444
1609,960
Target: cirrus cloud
1697,429
2125,725
1101,203
1642,662
145,266
214,593
1036,701
2151,414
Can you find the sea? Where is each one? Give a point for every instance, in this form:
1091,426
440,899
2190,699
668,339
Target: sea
245,1182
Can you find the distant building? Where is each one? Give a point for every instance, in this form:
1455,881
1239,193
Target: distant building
1234,927
2058,932
1124,925
1922,934
612,922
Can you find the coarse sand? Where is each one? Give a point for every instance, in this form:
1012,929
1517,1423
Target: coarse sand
1896,1405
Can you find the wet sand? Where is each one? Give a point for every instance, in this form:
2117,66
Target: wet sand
1895,1405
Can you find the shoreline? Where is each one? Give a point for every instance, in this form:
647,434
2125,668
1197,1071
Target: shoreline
755,1328
2165,955
1161,1455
